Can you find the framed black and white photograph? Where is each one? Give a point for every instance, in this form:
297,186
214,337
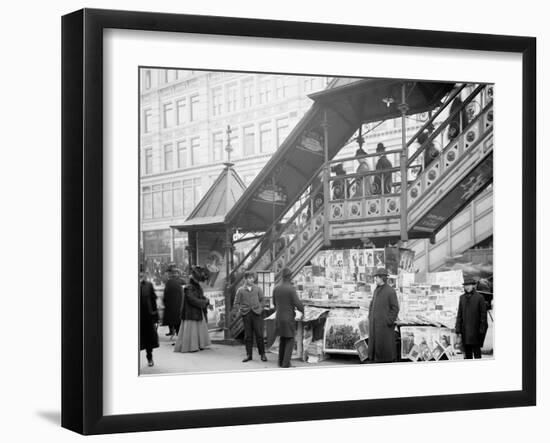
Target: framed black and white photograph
293,206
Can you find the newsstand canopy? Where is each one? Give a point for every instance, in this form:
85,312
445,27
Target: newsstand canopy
347,102
211,211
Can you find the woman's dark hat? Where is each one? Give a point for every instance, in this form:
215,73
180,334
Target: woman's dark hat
200,273
469,281
381,272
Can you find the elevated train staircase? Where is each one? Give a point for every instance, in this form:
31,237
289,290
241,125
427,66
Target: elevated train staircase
315,217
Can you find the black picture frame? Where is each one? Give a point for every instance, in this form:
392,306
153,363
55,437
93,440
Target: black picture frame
82,218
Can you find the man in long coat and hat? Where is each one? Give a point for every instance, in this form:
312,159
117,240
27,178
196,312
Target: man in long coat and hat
285,300
148,318
471,319
383,311
173,299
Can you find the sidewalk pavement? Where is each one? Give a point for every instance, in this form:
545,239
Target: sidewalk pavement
220,358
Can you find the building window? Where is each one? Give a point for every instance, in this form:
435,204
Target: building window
157,201
182,154
217,147
169,75
282,130
181,107
187,196
217,101
178,199
149,161
147,79
280,88
248,93
168,115
167,200
196,156
194,108
197,191
231,97
234,141
147,202
168,157
266,144
264,95
248,140
147,120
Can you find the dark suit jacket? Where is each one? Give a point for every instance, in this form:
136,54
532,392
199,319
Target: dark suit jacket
173,295
471,319
285,300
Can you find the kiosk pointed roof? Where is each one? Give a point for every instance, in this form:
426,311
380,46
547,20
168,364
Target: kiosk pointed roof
217,202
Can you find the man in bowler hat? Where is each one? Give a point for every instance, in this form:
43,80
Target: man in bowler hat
383,311
286,300
471,319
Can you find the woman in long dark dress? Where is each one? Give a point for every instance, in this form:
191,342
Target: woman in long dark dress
193,334
173,293
148,318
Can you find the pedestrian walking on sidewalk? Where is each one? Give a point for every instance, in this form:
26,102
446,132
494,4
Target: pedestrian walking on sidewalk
249,300
286,301
148,318
471,319
383,310
193,334
173,297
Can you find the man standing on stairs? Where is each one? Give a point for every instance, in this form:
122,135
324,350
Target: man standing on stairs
471,319
383,311
250,302
382,183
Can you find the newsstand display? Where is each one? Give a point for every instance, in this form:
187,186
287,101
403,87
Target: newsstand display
337,287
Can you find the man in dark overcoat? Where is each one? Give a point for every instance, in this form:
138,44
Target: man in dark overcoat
471,319
173,298
285,300
148,318
382,183
383,310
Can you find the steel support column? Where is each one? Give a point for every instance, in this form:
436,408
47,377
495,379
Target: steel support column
227,293
326,177
403,107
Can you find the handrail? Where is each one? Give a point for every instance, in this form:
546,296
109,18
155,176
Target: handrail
375,154
443,125
364,174
277,220
282,251
450,98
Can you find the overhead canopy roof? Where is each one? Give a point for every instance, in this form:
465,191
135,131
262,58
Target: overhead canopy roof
347,102
212,209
